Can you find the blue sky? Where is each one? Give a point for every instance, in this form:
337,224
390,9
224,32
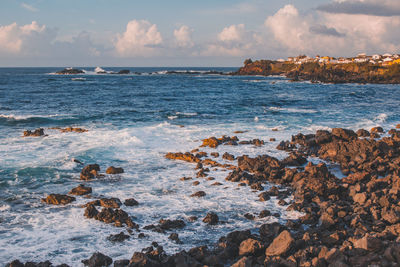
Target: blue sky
190,33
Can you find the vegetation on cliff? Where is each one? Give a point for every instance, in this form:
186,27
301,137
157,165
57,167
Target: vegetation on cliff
327,73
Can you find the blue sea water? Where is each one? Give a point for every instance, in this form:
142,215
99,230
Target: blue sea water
133,120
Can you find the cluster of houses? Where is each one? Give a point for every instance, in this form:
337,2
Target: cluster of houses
385,59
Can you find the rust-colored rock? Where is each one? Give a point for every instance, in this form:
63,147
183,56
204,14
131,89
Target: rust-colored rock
80,190
114,170
36,133
58,199
70,129
250,247
183,156
281,244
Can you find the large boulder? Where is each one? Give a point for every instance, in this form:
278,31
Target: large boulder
281,244
344,134
250,247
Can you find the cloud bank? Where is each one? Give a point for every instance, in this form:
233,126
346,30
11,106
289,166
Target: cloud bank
140,39
340,28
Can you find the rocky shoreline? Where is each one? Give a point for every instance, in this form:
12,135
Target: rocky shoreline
324,73
353,221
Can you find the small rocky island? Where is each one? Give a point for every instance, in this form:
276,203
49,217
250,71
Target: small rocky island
361,69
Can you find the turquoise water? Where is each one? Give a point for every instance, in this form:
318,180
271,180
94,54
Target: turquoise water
133,120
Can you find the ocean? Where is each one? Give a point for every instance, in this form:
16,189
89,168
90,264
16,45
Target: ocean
133,121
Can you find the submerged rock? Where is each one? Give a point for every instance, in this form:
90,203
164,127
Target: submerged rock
211,218
58,199
118,237
131,202
114,170
70,129
36,133
198,194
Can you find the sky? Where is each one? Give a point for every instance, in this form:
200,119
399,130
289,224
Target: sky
191,33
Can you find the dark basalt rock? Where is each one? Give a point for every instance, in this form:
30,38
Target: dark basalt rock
36,133
90,171
211,218
58,199
80,190
198,194
98,260
70,71
124,72
228,156
118,237
131,202
167,224
108,215
175,237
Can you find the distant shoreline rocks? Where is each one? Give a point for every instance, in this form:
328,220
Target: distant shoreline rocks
70,71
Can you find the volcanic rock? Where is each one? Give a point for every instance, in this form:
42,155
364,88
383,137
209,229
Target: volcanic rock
58,199
281,244
80,190
90,171
131,202
114,170
36,133
211,218
98,260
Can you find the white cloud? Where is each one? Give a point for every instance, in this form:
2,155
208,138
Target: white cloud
331,33
29,7
234,41
233,33
18,39
183,37
139,39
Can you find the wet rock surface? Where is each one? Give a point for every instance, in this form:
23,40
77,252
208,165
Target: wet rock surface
353,221
90,171
58,199
35,133
114,170
80,190
70,129
70,71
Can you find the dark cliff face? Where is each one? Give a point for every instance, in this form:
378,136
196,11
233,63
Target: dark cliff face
326,73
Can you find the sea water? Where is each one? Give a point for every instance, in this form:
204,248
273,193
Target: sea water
133,121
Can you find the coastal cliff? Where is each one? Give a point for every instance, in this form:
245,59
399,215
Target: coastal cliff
326,73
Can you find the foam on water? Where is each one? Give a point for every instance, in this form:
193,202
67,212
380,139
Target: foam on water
64,235
132,123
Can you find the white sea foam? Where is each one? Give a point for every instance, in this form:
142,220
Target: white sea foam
186,113
99,70
29,116
292,110
63,234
